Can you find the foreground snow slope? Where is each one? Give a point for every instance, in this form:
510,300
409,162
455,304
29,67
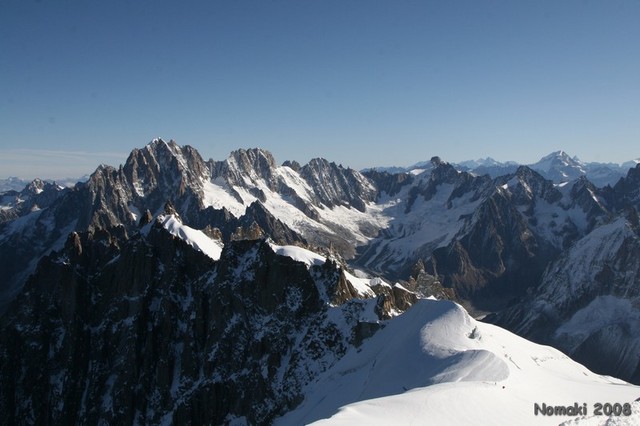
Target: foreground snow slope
436,365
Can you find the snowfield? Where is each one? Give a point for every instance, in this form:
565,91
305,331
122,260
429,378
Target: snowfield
436,365
310,258
195,238
299,254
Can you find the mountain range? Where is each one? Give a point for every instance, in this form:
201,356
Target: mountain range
178,289
557,166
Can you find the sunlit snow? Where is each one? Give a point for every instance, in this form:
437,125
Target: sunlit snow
195,238
436,365
299,254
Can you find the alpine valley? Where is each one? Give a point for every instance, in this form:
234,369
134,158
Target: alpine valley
175,290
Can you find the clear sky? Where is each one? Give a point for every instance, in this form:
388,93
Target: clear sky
363,83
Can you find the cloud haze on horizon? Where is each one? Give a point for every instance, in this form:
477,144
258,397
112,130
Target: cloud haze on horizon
360,83
54,164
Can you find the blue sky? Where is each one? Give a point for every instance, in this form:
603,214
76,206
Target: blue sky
362,83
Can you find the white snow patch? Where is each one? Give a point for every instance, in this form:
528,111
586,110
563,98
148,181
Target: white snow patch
400,286
299,254
195,238
218,195
294,181
138,188
361,285
135,213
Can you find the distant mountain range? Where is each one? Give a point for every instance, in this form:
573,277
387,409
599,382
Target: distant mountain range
558,167
17,184
174,289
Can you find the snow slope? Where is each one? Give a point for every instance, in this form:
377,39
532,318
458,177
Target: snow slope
425,226
309,258
436,365
195,238
299,254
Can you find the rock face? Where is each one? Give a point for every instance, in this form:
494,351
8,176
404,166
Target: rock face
388,183
149,330
349,187
627,190
587,303
523,224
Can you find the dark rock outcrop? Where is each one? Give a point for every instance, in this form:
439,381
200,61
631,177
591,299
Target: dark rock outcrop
149,330
388,183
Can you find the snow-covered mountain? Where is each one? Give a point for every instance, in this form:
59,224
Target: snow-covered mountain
488,239
243,280
34,196
587,302
560,167
436,364
488,166
557,166
17,184
321,204
12,183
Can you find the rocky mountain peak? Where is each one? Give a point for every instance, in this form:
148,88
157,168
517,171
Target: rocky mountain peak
320,164
254,159
334,185
443,172
164,171
159,155
532,184
36,186
38,194
293,165
631,180
583,185
436,161
627,190
558,157
390,183
528,174
254,164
